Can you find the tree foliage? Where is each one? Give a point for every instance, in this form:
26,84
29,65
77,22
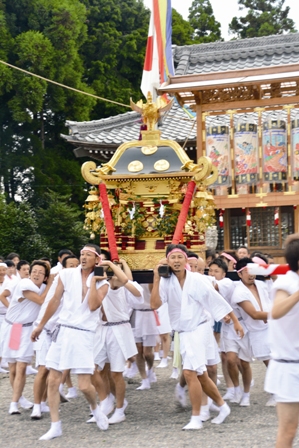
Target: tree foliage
202,20
263,18
182,31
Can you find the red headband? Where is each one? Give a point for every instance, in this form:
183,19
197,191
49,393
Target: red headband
176,249
91,250
229,257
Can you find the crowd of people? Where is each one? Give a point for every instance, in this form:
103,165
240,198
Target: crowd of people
87,317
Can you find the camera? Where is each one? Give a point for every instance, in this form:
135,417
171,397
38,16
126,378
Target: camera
164,271
99,271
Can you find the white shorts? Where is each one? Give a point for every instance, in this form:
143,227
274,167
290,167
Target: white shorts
216,359
110,352
239,346
147,341
282,380
72,350
259,344
42,348
163,314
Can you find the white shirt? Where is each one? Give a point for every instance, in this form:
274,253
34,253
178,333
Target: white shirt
9,284
187,306
284,332
26,311
117,302
56,269
242,294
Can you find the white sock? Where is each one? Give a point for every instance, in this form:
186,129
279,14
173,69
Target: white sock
71,389
230,389
237,389
105,400
246,394
61,387
111,397
36,407
119,411
181,388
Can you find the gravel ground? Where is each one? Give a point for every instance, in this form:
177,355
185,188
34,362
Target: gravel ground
153,420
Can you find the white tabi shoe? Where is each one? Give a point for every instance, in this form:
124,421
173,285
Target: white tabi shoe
44,407
237,397
117,417
72,393
101,419
157,356
13,409
144,385
54,431
36,413
175,374
132,371
204,415
163,363
230,394
180,395
63,398
30,370
245,401
25,404
151,376
195,423
91,420
107,406
3,370
271,402
224,412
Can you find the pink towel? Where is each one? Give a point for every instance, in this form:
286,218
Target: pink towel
15,337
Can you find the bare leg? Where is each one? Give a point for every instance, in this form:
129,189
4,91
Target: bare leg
140,361
165,339
246,375
195,390
148,354
84,384
212,372
233,369
120,388
101,384
288,416
19,381
227,378
39,385
12,373
54,380
210,388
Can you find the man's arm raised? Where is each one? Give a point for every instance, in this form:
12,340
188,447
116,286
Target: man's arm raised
156,301
96,296
51,308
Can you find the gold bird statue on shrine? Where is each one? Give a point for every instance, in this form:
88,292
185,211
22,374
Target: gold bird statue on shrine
151,111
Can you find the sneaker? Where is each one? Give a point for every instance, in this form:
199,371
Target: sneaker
25,404
271,402
30,370
245,401
163,363
180,395
72,393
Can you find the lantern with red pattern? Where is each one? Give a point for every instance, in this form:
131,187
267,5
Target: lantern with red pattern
276,217
248,218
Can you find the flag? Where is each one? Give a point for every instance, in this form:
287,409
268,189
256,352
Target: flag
158,64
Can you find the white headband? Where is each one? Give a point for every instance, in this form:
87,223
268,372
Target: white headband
4,265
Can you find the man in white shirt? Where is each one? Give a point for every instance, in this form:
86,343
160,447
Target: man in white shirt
72,346
27,298
61,255
251,297
188,296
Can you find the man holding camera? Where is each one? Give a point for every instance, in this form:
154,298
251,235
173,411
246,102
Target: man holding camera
188,296
72,348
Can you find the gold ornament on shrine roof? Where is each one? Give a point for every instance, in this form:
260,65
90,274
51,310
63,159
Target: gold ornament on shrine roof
135,166
161,165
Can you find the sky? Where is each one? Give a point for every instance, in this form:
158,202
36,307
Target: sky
225,10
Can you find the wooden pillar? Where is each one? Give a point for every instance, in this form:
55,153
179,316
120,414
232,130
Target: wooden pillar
226,230
296,219
199,139
290,174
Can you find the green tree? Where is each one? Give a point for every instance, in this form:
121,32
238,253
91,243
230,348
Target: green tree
202,20
182,31
43,37
114,52
61,224
263,18
19,231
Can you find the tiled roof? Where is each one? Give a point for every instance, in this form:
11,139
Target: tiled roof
237,54
110,132
126,127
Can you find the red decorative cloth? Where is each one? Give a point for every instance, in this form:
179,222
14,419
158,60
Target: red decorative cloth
108,222
184,213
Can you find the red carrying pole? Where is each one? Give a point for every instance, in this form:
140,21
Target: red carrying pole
184,213
108,222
